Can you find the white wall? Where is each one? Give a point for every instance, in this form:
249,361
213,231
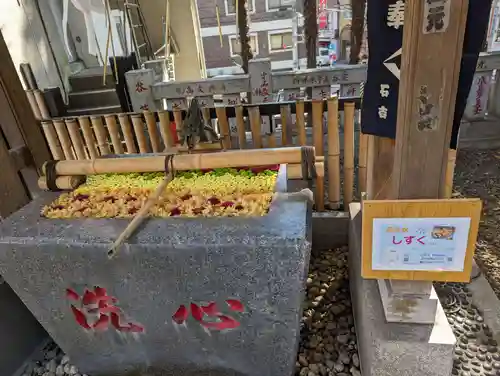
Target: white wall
78,29
22,29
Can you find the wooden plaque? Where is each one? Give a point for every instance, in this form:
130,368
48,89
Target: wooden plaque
434,240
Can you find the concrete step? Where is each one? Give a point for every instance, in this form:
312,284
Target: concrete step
102,110
91,79
93,98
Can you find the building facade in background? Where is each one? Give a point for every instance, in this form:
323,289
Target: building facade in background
270,25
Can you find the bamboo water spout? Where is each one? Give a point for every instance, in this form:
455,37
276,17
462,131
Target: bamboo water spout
155,163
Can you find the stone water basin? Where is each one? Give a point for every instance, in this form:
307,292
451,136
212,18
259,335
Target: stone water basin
185,295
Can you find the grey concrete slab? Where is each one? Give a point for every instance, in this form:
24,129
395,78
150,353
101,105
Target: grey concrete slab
20,332
261,262
485,299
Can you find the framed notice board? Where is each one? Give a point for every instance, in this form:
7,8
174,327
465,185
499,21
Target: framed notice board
421,240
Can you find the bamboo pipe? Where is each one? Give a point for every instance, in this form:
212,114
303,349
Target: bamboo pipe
114,133
450,171
40,100
105,62
284,125
271,140
100,133
140,216
254,115
153,131
33,104
202,147
240,124
319,194
205,112
88,136
294,170
348,154
166,133
52,140
139,132
76,138
62,134
317,125
178,122
224,127
333,154
300,122
127,133
232,158
62,182
217,13
167,31
108,16
363,160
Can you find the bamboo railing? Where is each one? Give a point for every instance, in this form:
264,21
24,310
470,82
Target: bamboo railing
90,137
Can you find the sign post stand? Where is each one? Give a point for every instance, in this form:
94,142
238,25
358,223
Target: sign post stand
432,49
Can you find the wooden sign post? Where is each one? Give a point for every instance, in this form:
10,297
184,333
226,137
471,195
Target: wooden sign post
432,48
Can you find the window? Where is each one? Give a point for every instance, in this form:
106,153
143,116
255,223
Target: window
231,6
279,4
347,14
235,48
280,41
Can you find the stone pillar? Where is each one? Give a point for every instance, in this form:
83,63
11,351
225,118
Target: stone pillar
140,87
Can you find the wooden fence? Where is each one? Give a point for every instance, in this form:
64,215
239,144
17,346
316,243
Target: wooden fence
89,137
262,85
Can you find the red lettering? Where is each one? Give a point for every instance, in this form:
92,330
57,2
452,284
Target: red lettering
409,239
210,310
100,307
396,242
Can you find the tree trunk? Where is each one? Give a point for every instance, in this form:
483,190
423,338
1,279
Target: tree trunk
242,22
357,29
311,31
311,37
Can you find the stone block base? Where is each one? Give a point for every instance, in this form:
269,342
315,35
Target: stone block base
408,301
388,349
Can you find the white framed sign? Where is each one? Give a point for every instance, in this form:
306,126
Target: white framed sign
419,240
420,244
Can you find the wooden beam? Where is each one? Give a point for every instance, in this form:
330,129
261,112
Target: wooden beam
431,55
13,195
379,168
24,118
20,158
430,69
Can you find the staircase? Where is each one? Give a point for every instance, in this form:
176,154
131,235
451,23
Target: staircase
89,96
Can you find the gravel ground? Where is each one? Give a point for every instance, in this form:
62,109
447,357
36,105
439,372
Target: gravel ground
328,340
52,362
476,351
477,174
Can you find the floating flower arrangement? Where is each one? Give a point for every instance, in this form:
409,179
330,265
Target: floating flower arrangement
211,193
